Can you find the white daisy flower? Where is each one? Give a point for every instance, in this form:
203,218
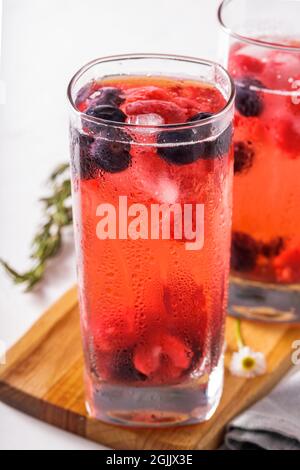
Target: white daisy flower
247,363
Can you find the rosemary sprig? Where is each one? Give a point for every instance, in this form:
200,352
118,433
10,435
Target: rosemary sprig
48,240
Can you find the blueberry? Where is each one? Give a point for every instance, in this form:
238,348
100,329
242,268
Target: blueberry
219,146
249,102
111,151
107,112
202,132
189,153
243,156
244,252
215,148
179,154
273,248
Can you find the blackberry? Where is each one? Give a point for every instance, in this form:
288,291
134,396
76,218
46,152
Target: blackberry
123,369
273,248
107,112
109,95
84,93
200,117
85,161
249,102
243,157
244,252
85,142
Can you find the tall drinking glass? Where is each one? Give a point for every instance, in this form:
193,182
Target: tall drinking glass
262,52
152,169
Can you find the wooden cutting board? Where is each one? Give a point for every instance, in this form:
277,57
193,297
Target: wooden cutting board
43,377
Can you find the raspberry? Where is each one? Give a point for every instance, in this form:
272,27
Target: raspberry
189,105
186,310
242,65
249,102
243,157
287,136
293,106
244,252
293,101
111,334
147,358
162,354
146,93
287,266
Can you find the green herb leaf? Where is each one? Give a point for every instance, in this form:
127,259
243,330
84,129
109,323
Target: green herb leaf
48,240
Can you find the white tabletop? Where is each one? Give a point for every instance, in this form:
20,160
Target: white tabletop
43,43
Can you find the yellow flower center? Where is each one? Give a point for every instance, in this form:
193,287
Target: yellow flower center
248,363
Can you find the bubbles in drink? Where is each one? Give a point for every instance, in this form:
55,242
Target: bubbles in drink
149,302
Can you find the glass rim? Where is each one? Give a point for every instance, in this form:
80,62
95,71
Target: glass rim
248,39
177,126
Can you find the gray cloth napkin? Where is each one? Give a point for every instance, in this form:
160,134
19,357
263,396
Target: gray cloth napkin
272,423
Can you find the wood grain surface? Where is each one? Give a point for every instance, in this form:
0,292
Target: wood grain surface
43,377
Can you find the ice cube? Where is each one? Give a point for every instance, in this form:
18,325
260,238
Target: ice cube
167,192
146,120
254,51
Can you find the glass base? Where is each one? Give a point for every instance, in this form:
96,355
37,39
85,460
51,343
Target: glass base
264,302
165,406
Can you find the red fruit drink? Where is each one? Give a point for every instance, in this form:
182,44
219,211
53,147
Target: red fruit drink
266,222
152,310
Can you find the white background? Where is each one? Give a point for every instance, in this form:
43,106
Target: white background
44,42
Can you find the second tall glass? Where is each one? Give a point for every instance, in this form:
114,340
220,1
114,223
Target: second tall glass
262,53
